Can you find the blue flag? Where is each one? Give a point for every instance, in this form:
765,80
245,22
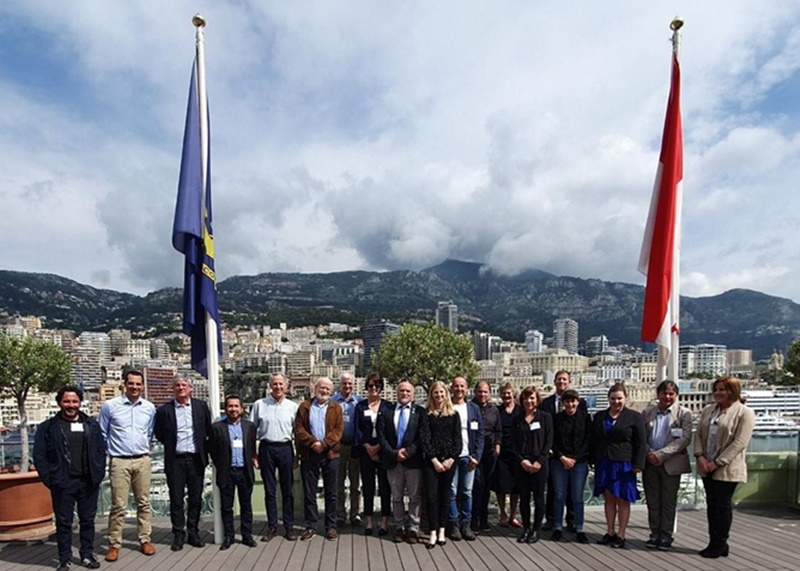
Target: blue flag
193,237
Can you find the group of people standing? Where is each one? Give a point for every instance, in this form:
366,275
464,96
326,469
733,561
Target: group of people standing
447,456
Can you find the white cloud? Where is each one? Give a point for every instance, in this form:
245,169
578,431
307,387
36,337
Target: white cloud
396,135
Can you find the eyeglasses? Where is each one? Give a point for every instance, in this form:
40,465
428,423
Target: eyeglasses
373,387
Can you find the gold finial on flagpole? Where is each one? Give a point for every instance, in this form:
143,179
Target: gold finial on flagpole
199,21
676,24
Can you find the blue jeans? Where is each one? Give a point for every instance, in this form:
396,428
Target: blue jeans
575,481
461,492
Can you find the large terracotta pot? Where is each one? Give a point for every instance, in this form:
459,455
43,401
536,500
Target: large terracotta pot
26,510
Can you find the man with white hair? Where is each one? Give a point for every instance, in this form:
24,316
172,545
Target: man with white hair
318,433
182,425
349,467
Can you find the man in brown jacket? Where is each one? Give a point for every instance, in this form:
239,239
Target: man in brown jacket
318,434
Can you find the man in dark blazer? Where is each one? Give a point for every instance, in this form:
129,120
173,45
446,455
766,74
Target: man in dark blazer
182,425
401,455
232,445
553,406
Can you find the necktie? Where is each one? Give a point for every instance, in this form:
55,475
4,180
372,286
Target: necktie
402,422
560,405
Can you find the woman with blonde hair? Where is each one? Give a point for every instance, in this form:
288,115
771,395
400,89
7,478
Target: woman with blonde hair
723,433
440,433
504,474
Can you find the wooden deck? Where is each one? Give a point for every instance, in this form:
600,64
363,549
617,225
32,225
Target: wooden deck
761,539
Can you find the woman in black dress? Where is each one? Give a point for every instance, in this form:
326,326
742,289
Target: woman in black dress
440,432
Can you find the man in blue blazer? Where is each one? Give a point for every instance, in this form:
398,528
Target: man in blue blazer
471,453
182,425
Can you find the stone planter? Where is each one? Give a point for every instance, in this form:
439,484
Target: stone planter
26,510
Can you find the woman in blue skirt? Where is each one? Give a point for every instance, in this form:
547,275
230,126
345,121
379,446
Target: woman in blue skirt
620,445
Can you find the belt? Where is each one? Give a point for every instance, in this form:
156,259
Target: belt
186,455
237,468
268,443
135,457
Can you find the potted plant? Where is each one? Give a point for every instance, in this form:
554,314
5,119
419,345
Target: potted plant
27,364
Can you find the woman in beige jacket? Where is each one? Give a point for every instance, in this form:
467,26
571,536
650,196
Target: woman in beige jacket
722,436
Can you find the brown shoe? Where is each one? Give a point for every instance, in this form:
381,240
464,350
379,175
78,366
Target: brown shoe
308,534
270,535
148,548
331,534
399,535
112,554
412,537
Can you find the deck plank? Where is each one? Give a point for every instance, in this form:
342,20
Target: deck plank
760,539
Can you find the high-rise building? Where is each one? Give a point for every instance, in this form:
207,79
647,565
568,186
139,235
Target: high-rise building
703,358
447,315
98,341
565,334
86,370
372,332
534,339
596,345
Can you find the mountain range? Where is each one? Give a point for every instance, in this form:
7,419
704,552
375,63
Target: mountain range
504,305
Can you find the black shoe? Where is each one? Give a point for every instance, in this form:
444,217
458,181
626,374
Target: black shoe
455,533
90,562
64,566
441,542
177,545
195,541
619,543
367,531
523,538
607,539
571,527
384,531
475,525
714,551
485,526
548,525
226,544
653,543
248,541
581,538
430,545
467,533
665,544
290,535
533,537
557,535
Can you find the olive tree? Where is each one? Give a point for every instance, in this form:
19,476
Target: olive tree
424,353
30,364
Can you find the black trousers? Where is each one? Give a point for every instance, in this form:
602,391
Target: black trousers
185,478
369,470
532,486
550,510
310,470
80,492
237,484
719,509
437,490
482,487
277,457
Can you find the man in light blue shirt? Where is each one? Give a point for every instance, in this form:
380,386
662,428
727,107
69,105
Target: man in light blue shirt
349,467
127,425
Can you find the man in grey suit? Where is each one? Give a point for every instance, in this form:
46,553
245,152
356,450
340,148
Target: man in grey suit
401,455
669,430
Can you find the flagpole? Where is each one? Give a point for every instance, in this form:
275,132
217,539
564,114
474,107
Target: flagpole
673,366
212,351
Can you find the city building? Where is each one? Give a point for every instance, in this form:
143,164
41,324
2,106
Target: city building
565,334
596,345
447,315
373,332
534,340
704,358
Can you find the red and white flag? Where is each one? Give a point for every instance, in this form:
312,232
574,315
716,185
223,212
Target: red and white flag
660,256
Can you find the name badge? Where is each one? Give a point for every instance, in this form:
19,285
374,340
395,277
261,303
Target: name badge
473,425
367,413
534,425
76,427
237,443
676,432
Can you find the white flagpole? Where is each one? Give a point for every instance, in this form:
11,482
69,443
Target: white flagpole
673,366
212,351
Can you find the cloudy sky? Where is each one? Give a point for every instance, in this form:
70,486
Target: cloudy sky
393,135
